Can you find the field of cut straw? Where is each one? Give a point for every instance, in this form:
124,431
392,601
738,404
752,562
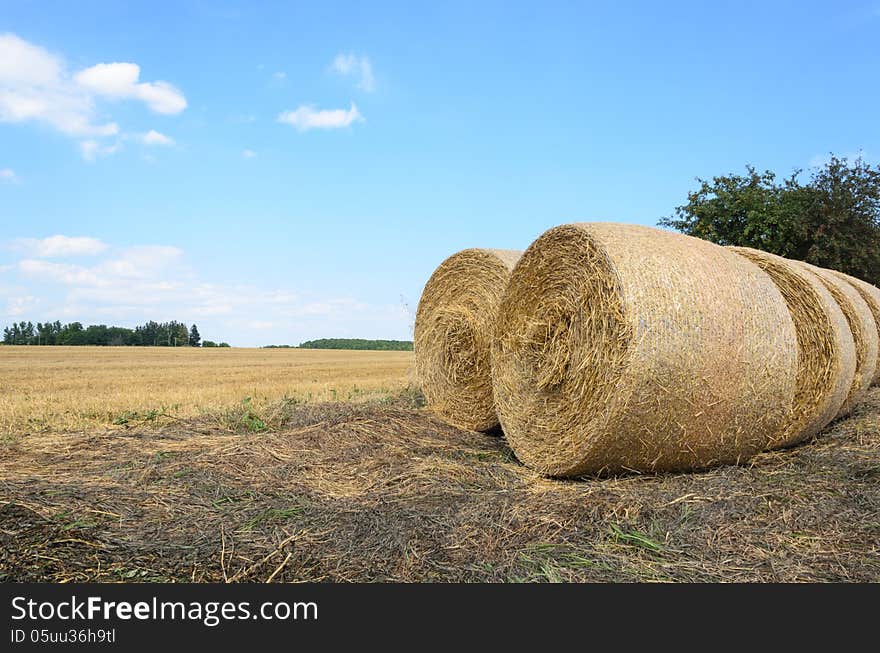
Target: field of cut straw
60,389
372,487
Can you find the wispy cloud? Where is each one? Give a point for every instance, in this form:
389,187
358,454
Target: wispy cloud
123,270
8,176
307,117
360,67
120,80
92,149
153,137
36,86
248,154
142,261
59,246
133,284
20,306
66,273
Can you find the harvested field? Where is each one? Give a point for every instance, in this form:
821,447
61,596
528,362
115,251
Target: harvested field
58,389
370,492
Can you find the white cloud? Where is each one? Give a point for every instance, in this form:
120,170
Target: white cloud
61,246
349,64
280,75
141,262
27,64
308,117
129,270
153,137
20,306
262,325
65,273
120,80
249,154
91,149
127,286
8,176
35,85
110,79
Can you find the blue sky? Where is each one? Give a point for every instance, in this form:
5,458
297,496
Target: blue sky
282,171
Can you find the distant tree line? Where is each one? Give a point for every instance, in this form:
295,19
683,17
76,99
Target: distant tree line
151,334
352,343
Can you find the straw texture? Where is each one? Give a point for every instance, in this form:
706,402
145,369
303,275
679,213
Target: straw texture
621,347
454,326
863,328
871,295
826,350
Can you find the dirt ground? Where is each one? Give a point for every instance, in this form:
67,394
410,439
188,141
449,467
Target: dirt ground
384,492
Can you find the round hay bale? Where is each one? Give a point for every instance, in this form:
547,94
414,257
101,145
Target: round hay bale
825,346
454,326
622,347
871,295
863,328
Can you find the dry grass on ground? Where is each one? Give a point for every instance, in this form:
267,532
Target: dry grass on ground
372,492
55,389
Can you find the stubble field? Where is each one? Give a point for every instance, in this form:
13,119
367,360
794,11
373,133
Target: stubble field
52,389
284,465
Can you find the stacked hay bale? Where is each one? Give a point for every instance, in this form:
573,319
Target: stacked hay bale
607,348
871,295
825,346
455,321
621,347
863,328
